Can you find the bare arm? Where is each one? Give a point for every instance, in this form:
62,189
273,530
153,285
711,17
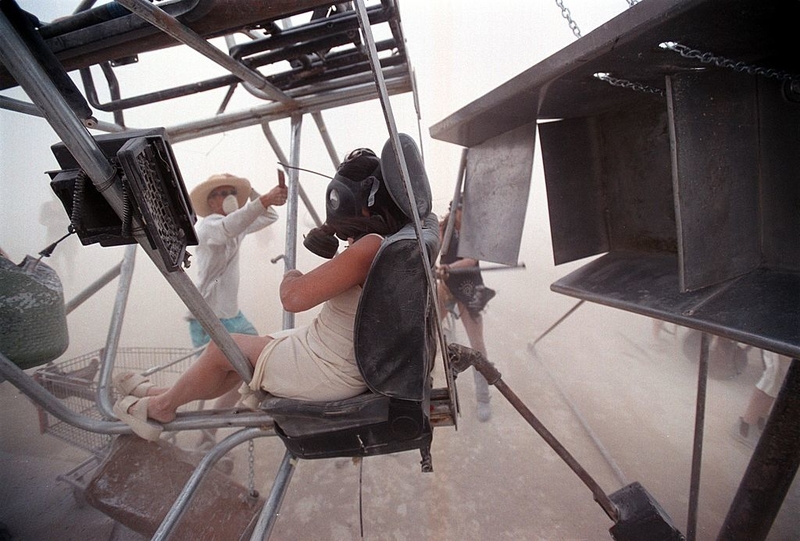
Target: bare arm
301,292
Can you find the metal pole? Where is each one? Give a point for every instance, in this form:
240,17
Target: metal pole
31,77
772,468
276,111
269,513
183,500
290,260
185,421
276,148
465,357
451,224
532,345
697,454
326,138
114,330
93,288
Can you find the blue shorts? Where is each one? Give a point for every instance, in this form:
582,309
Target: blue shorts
237,324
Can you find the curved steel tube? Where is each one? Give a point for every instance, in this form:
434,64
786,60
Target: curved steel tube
185,497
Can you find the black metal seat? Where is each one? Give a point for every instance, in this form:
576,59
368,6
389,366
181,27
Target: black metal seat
395,346
394,349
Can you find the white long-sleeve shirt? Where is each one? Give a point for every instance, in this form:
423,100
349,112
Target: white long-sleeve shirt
218,254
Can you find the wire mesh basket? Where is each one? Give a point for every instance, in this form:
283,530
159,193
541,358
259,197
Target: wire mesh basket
74,381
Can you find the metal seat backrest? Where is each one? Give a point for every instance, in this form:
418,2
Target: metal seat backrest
394,346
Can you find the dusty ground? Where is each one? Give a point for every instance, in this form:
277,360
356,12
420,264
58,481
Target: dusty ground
498,480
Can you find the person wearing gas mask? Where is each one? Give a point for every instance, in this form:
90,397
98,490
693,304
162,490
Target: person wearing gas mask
230,210
313,362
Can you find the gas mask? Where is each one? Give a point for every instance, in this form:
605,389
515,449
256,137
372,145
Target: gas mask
352,189
230,204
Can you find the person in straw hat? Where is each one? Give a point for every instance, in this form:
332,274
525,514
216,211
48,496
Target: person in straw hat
230,210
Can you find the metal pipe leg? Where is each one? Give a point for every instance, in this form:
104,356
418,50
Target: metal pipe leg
269,513
772,468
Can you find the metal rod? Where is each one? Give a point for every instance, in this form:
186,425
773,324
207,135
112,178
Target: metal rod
599,496
772,468
32,78
93,288
269,513
556,324
582,420
19,106
486,269
451,224
316,101
171,26
104,395
466,357
276,148
697,452
184,421
326,138
183,500
290,252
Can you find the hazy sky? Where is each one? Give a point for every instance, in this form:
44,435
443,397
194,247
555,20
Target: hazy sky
460,49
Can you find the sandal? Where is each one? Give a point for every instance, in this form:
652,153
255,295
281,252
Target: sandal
132,410
131,383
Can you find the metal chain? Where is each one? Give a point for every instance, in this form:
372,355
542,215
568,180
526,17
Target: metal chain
566,14
722,62
251,483
624,83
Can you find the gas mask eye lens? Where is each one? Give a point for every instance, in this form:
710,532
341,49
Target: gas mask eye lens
333,198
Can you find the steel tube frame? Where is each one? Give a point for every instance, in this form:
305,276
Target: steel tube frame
169,25
32,79
290,251
697,453
276,148
183,500
772,468
184,421
276,111
269,513
93,288
104,395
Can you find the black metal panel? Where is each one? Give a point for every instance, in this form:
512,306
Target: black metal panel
779,138
575,191
608,183
761,308
715,144
498,179
563,86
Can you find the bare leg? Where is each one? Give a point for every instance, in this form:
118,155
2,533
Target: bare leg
443,293
210,376
758,407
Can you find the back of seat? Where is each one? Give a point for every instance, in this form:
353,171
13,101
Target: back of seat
393,329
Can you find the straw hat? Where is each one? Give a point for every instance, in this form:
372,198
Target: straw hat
199,194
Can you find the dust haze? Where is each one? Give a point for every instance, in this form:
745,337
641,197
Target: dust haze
602,373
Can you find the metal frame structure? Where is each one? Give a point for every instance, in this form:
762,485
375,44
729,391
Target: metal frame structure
669,146
36,60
